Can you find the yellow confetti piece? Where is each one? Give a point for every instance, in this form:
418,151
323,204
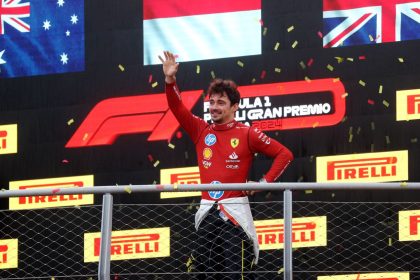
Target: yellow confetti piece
386,104
307,79
300,179
77,207
330,67
295,43
344,95
315,124
172,146
276,46
403,184
344,119
197,69
281,270
212,74
413,140
70,121
121,67
335,80
350,59
128,190
52,278
339,59
371,38
290,29
388,141
154,182
302,65
372,125
277,70
265,31
389,241
311,158
333,195
156,163
253,80
240,63
350,130
362,83
155,84
350,138
380,89
85,136
400,59
308,191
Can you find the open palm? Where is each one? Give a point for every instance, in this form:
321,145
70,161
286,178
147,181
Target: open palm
170,66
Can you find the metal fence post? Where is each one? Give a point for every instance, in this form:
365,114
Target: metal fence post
104,267
287,253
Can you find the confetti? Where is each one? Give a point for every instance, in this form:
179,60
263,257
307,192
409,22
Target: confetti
372,125
330,67
213,75
262,76
295,43
156,163
344,95
307,79
70,121
362,57
371,38
65,161
311,158
315,124
362,83
339,59
179,134
278,70
350,138
300,179
290,29
186,155
128,190
344,119
350,130
197,69
308,191
276,46
155,84
388,141
281,270
150,157
240,63
333,195
389,241
150,78
371,102
85,136
253,80
310,62
358,130
336,80
121,67
413,140
386,104
265,31
403,184
54,191
302,65
380,89
350,59
320,34
170,145
400,59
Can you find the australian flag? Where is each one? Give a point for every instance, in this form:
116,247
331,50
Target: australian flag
359,22
39,37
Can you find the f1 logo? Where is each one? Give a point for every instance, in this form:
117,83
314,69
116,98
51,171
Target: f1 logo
113,117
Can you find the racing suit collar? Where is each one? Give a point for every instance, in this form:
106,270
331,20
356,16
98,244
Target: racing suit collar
224,126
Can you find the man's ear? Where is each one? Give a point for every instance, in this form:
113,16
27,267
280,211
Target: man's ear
235,107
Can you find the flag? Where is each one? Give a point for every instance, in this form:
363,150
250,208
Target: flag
199,30
359,22
39,37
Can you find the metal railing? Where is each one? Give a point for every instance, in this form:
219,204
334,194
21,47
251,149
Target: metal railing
107,206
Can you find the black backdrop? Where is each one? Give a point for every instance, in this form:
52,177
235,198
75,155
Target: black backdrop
42,105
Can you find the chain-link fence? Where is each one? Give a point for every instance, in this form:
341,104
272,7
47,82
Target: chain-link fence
154,241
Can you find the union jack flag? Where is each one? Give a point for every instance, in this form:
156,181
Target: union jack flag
359,22
39,37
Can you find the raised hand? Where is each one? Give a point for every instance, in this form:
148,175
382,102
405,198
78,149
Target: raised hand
170,66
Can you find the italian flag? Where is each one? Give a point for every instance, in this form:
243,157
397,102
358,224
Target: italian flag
201,29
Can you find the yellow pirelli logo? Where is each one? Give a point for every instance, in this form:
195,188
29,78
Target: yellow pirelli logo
369,276
306,232
408,225
8,139
55,199
8,253
184,175
368,167
408,105
130,244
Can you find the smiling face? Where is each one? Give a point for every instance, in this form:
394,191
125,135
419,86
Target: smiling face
221,109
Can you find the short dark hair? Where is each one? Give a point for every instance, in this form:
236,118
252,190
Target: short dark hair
220,86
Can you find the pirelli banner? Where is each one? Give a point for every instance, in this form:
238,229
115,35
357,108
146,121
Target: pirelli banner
369,276
368,167
55,199
408,225
8,253
184,175
306,232
130,244
408,105
8,139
